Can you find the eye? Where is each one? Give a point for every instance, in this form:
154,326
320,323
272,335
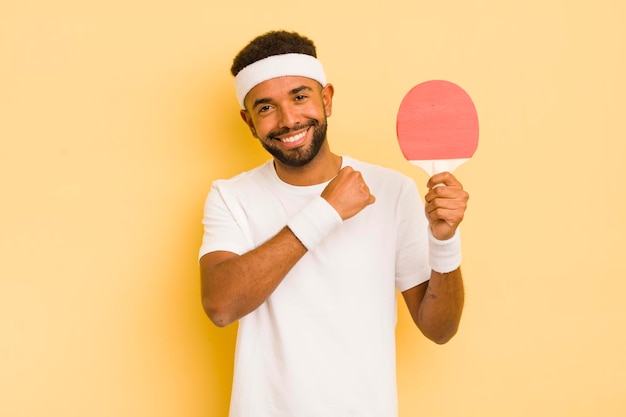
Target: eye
263,109
301,97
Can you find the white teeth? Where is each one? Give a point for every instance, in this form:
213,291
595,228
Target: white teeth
293,138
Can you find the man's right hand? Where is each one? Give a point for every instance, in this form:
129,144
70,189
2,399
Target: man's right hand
348,193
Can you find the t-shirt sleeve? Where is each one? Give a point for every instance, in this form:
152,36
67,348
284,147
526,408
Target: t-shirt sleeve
222,230
412,266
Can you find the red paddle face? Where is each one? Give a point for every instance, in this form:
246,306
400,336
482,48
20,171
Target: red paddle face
437,126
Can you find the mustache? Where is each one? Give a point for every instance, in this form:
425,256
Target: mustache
273,134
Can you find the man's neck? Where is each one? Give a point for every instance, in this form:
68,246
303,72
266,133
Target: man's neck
323,168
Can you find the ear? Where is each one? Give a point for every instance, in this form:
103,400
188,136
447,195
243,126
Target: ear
248,120
327,96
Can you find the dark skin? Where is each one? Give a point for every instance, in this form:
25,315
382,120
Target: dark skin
234,285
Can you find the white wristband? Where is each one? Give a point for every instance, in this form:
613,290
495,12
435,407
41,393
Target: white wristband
314,222
444,255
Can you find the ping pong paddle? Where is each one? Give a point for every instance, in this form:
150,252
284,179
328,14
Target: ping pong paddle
437,126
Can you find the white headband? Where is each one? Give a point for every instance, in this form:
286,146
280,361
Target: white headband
275,66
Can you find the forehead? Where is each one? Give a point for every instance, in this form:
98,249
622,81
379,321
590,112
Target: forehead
274,88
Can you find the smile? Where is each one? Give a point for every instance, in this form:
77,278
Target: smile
294,138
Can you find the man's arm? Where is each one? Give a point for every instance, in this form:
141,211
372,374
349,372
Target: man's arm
436,305
234,285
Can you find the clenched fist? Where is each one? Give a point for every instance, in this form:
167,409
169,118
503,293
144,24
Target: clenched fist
348,193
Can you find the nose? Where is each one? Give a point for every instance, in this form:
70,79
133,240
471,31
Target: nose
288,116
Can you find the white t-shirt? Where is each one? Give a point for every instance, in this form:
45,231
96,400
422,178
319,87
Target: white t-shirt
323,344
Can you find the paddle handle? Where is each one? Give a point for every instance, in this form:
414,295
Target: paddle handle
435,166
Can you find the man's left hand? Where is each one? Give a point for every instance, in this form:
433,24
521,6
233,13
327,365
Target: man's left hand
445,204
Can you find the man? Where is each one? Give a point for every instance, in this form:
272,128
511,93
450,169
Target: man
307,252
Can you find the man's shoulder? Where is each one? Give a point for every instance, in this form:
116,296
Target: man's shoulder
251,176
374,172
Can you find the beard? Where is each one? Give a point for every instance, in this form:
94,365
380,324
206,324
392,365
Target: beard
300,156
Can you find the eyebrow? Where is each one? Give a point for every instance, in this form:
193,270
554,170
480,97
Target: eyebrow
260,101
301,88
292,92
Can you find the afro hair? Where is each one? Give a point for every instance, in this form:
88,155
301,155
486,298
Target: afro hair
269,44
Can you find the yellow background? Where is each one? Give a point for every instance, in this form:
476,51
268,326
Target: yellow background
116,116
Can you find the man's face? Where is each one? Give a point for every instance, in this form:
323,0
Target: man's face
288,115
